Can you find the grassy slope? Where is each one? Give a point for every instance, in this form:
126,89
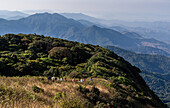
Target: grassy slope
17,92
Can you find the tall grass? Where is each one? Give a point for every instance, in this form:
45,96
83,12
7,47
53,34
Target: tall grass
16,92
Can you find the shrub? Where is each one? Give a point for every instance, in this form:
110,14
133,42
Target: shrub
60,53
57,96
95,91
42,80
94,95
74,74
83,90
52,71
37,89
101,105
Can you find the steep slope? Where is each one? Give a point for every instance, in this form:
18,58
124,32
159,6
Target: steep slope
159,83
38,55
156,70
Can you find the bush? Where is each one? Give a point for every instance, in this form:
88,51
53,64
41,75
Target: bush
102,105
37,89
42,80
95,91
74,74
57,96
94,95
83,90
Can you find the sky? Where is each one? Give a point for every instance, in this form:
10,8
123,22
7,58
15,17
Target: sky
143,10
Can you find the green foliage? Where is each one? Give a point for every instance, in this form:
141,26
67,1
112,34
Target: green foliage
3,44
53,71
59,95
159,84
156,69
101,105
144,61
60,53
75,74
36,55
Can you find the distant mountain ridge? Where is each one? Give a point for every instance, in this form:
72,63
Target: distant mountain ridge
44,23
103,36
158,29
80,16
59,26
12,15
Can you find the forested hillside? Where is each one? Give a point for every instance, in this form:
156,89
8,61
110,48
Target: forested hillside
159,83
37,55
155,70
151,63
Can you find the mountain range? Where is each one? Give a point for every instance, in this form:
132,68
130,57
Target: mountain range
12,15
59,26
158,29
146,29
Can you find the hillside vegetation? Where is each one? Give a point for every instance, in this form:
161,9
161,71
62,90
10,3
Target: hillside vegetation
159,83
155,70
36,55
151,63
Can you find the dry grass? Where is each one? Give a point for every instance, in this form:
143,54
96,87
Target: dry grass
24,97
17,92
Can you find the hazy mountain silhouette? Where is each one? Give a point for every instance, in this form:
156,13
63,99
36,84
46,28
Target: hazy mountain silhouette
158,30
103,36
59,26
12,15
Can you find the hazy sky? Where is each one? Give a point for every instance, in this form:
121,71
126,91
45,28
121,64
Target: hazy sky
108,9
